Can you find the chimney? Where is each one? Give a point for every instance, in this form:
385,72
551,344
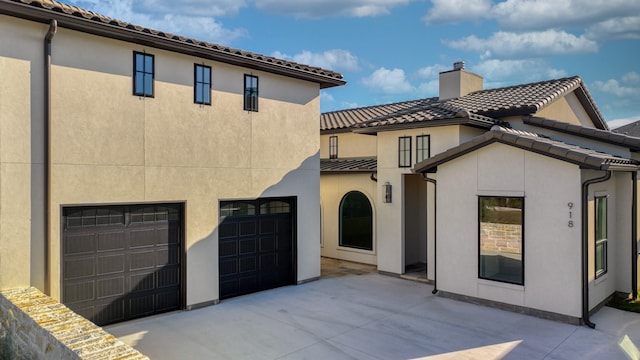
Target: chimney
458,82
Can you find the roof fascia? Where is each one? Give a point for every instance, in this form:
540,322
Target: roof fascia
71,22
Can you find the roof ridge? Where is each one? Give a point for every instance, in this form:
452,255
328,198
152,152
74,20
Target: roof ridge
575,77
378,105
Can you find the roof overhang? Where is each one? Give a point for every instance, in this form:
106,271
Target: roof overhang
146,37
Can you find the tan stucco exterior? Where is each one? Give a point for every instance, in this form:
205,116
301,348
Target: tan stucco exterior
111,147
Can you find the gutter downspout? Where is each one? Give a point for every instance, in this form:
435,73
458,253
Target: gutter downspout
634,236
585,247
435,231
53,28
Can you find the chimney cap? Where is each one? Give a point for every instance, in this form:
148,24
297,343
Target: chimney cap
458,65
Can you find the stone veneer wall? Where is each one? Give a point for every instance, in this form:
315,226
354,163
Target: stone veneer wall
505,238
34,326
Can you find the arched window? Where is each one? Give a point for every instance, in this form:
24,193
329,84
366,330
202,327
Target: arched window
356,221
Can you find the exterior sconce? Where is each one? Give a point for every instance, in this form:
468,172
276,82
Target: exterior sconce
387,192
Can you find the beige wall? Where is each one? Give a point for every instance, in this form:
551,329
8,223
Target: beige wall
567,109
332,189
349,145
552,248
109,146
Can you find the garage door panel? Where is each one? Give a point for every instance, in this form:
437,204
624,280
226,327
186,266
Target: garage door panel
80,243
228,229
267,243
114,271
110,264
110,241
168,277
140,282
142,260
267,262
228,247
142,238
248,246
247,284
267,226
79,267
110,287
228,267
247,228
247,264
79,291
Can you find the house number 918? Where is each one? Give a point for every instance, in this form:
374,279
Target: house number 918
570,222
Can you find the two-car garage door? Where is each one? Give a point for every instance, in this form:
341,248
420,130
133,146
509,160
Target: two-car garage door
122,262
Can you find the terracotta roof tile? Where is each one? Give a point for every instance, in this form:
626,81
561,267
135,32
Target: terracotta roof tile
332,78
533,142
348,165
632,129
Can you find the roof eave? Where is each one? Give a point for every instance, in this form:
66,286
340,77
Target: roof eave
71,22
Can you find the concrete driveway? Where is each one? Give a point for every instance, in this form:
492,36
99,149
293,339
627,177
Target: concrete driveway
369,316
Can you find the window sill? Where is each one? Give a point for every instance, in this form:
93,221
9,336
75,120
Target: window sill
354,250
499,284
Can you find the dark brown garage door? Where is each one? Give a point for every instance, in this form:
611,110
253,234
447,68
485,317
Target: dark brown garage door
257,246
121,262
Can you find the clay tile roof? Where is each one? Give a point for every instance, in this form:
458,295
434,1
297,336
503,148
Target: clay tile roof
347,165
84,20
632,129
581,156
611,137
344,119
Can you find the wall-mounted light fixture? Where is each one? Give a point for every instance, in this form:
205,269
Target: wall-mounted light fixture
387,192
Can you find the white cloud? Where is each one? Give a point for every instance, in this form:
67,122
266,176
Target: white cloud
614,124
526,45
327,8
618,28
335,59
197,8
200,26
631,78
388,81
326,97
500,72
454,11
613,86
431,72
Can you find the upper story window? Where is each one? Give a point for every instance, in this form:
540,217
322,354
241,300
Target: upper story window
143,74
333,147
250,93
601,235
423,151
202,84
404,151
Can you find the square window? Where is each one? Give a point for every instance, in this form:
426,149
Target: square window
501,239
202,84
250,93
143,74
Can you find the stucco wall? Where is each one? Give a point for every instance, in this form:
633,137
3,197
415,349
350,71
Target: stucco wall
332,189
349,145
551,246
109,146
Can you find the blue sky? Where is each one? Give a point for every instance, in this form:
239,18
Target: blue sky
392,50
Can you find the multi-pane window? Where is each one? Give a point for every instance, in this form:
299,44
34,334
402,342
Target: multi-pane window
202,84
601,235
404,151
250,93
422,147
143,74
501,239
333,147
356,221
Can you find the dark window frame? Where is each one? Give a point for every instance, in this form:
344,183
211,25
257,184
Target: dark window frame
601,269
404,150
522,241
204,85
333,147
251,94
420,149
145,74
341,223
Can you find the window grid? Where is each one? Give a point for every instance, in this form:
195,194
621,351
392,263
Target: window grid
202,84
423,147
333,147
250,92
143,74
601,236
404,151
